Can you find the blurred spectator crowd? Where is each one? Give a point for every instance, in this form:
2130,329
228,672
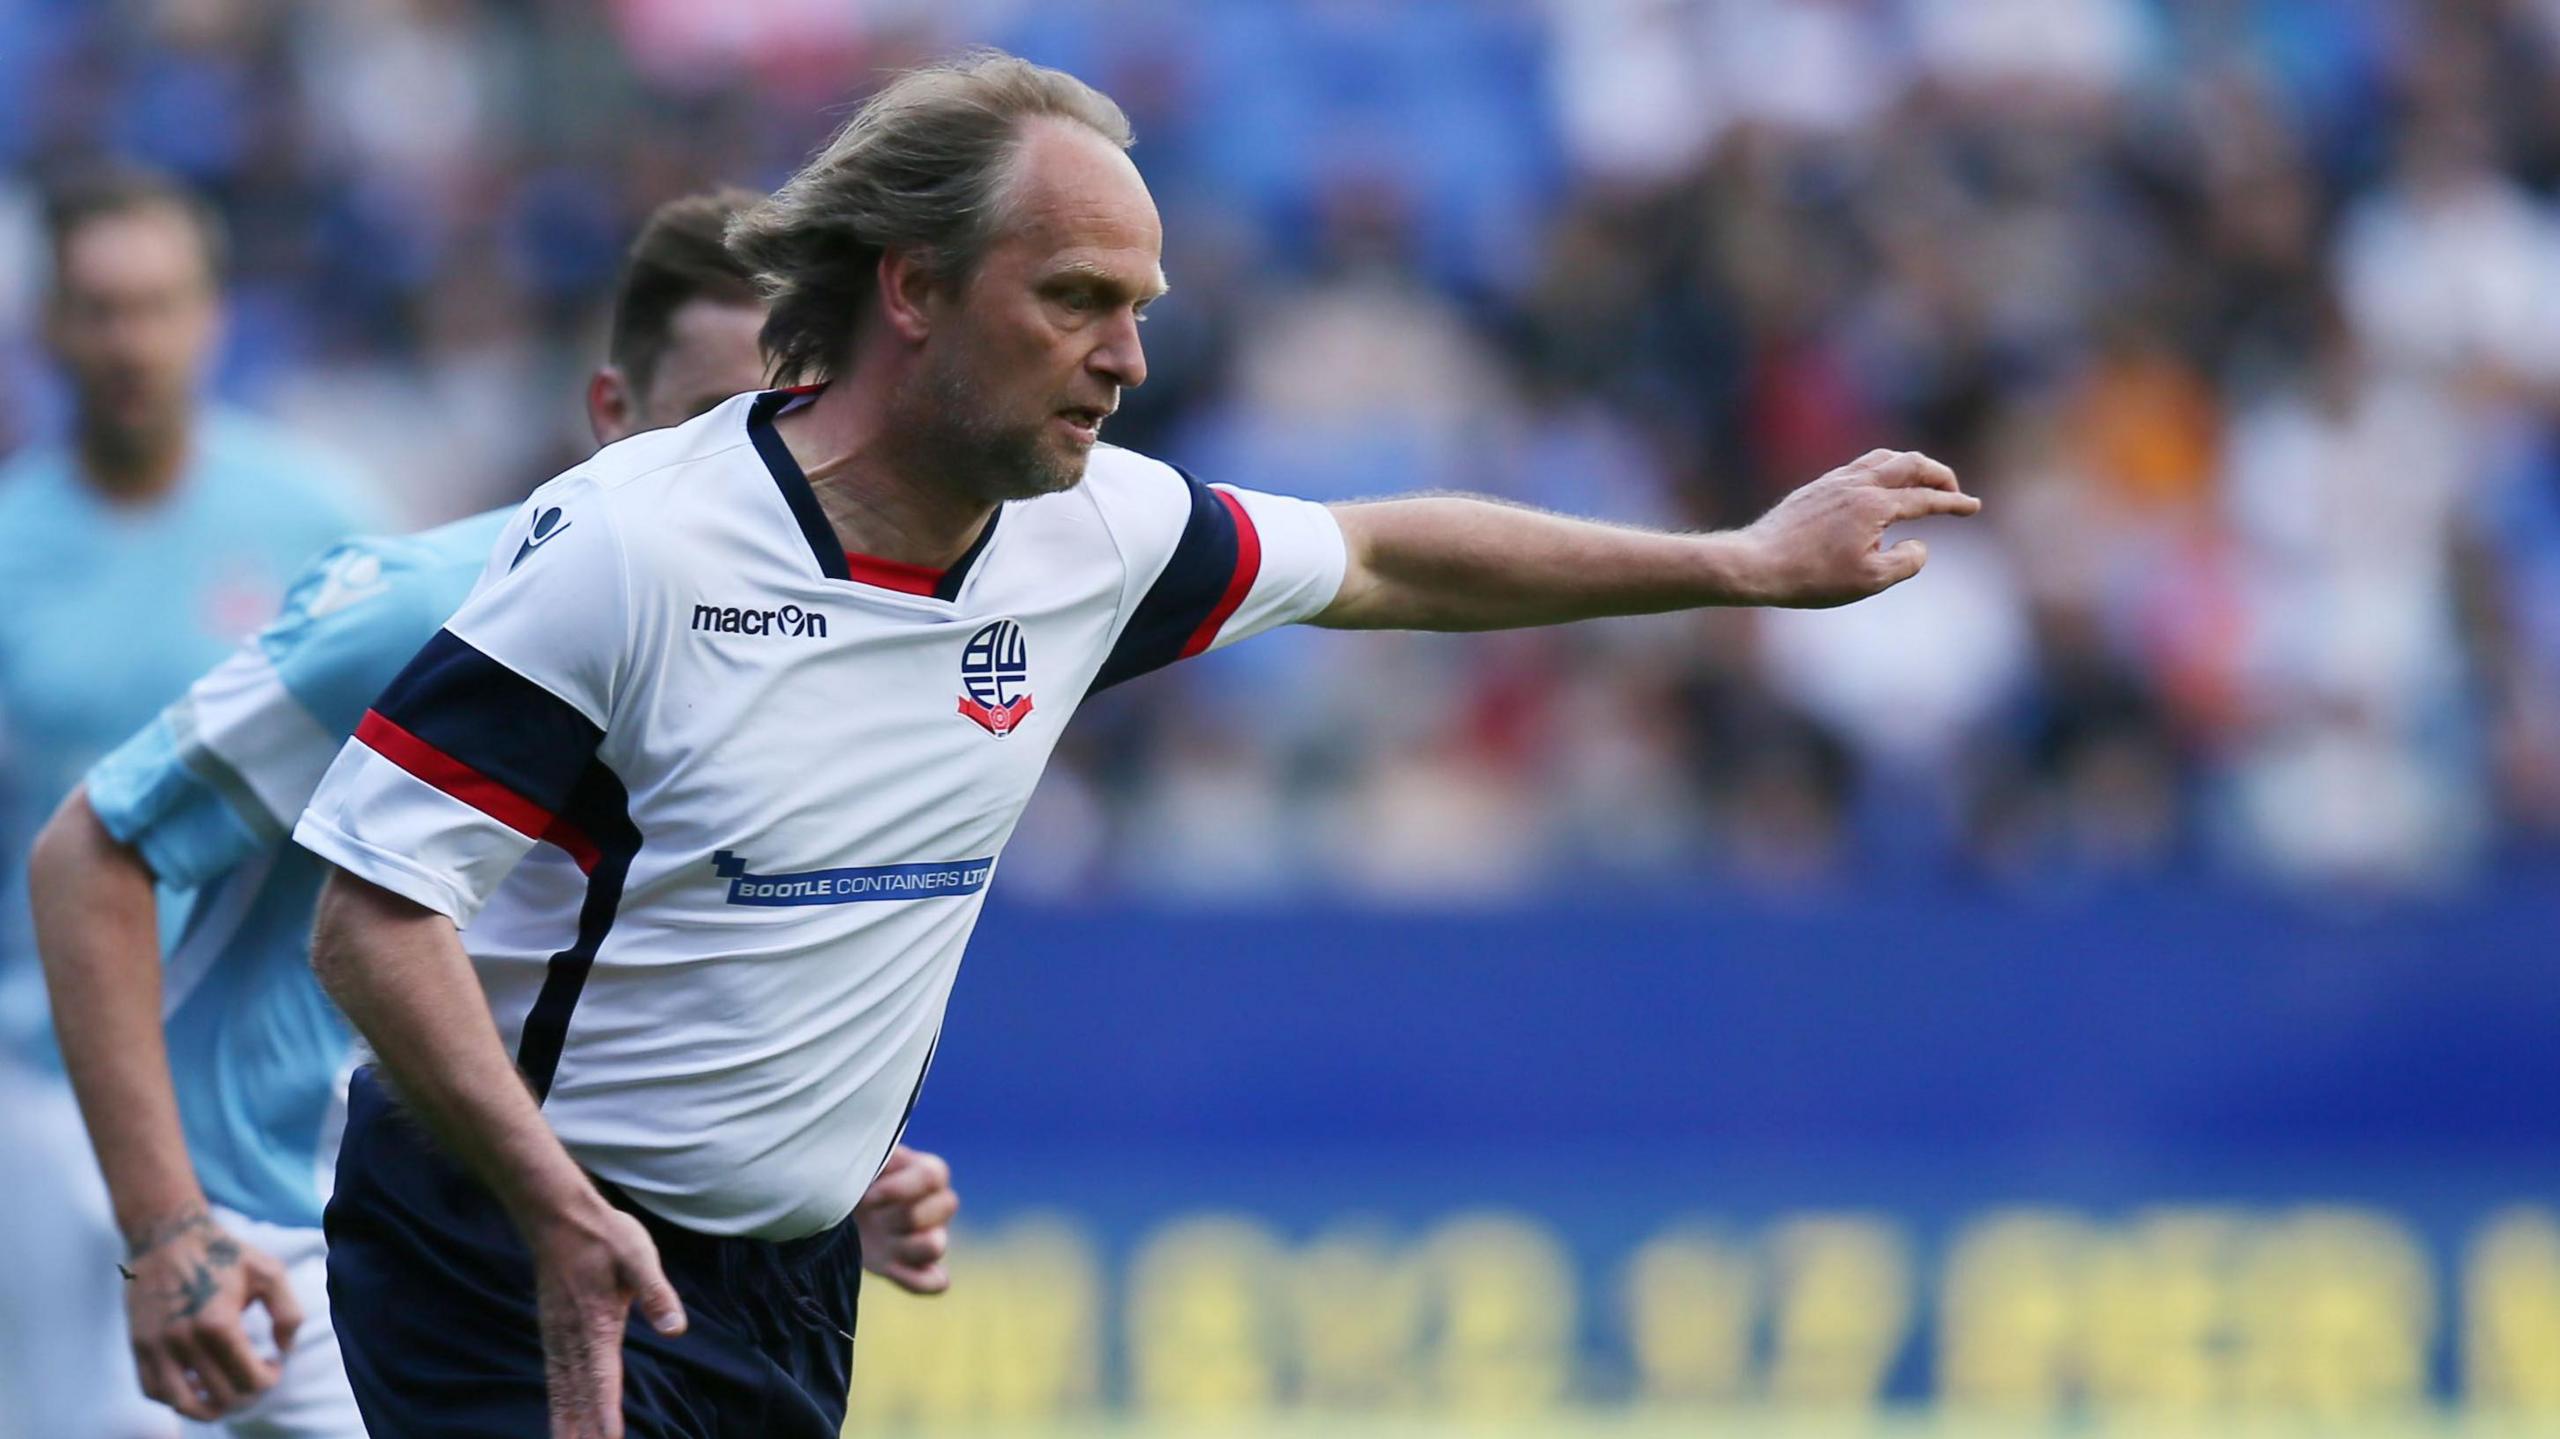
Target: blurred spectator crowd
2243,315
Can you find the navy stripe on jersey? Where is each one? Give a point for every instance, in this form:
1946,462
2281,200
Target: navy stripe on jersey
600,809
1206,563
931,1049
795,485
492,721
949,588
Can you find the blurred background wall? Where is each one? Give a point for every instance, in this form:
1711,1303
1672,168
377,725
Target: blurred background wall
2113,975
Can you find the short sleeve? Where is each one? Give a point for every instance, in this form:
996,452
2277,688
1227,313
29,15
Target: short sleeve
185,809
481,746
1244,562
224,771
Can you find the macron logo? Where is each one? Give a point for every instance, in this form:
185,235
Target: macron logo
788,620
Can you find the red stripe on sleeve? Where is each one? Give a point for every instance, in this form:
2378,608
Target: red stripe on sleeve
1239,584
573,839
455,778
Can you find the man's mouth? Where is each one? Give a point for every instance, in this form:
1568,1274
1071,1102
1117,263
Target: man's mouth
1085,421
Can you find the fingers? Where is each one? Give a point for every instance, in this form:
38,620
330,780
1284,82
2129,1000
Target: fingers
925,1247
660,1306
931,1212
269,1285
582,1369
905,1221
922,1279
202,1379
165,1379
605,1369
230,1370
905,1244
1920,503
589,1276
1905,469
655,1296
1901,562
910,1175
913,1251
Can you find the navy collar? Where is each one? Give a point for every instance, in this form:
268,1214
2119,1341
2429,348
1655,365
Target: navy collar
821,536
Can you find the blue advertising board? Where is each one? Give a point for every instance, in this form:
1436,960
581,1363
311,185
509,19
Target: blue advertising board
2185,1150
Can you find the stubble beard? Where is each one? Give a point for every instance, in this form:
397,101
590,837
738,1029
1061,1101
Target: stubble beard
957,437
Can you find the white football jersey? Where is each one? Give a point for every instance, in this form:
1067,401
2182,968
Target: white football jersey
716,804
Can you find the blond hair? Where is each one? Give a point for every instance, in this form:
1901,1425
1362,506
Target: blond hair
920,168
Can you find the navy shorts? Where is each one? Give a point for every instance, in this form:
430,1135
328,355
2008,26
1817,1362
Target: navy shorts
431,1291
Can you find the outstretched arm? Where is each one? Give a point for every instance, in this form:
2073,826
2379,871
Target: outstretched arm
1453,563
97,932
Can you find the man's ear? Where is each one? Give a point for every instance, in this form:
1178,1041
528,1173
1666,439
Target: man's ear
612,409
906,289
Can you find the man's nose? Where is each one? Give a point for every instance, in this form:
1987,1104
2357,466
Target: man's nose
1121,358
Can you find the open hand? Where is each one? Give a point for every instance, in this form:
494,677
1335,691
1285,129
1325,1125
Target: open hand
904,1220
1823,544
588,1272
189,1284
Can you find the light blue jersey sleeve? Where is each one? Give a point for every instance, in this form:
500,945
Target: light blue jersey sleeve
222,774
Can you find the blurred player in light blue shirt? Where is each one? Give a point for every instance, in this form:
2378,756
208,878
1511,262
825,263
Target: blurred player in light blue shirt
137,551
133,554
219,1161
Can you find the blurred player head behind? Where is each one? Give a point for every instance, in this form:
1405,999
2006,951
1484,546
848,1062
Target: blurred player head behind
133,316
971,250
685,322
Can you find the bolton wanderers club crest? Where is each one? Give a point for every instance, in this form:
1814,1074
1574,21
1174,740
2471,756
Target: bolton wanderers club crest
995,678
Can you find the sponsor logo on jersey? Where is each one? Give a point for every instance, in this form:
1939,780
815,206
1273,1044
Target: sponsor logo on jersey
545,525
936,880
788,620
995,678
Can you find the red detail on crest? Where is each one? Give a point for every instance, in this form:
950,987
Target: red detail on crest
998,720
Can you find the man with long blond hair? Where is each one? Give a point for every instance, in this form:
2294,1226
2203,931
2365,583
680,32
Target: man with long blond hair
717,764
